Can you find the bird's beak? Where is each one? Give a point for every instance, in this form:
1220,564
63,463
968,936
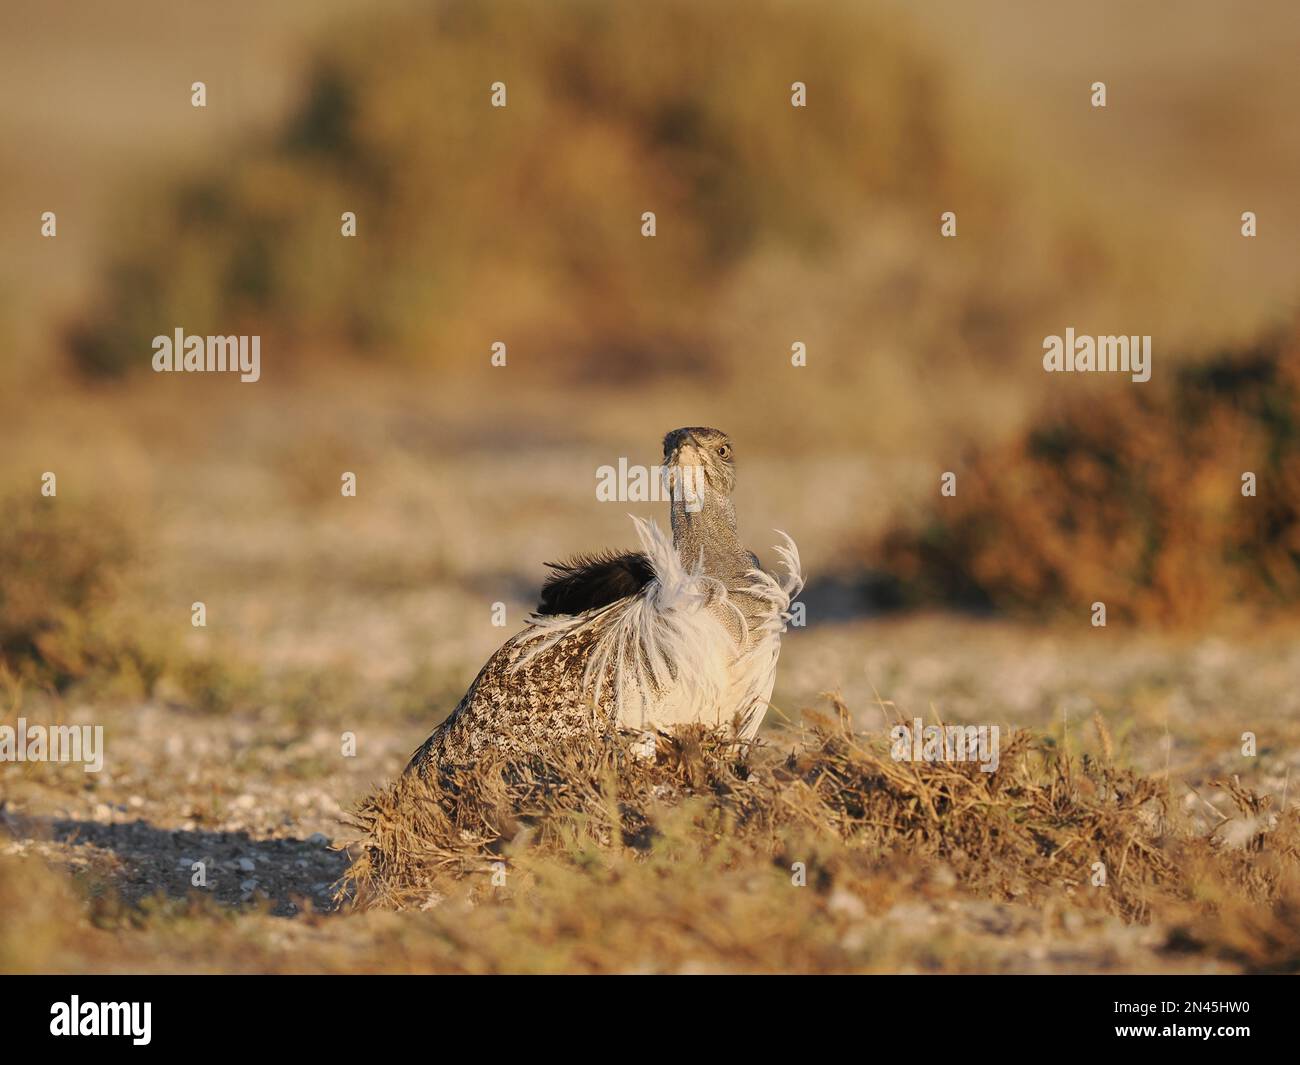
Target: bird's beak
685,454
684,474
680,448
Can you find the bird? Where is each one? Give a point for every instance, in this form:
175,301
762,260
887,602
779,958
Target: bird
687,630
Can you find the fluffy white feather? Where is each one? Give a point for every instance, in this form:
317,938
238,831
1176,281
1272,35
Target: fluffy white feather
668,651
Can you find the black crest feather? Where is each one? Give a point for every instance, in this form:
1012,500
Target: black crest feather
586,582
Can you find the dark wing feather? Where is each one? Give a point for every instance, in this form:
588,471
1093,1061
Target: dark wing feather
586,582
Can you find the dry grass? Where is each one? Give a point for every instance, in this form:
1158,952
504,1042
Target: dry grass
1029,834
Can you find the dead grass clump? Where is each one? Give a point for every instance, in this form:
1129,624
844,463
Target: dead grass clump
1134,500
417,830
1041,829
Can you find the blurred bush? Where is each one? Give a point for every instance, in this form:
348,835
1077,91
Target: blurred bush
523,223
59,564
61,624
1131,497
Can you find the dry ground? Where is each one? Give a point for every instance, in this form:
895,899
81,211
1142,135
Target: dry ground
370,616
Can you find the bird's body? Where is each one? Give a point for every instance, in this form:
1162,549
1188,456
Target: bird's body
685,631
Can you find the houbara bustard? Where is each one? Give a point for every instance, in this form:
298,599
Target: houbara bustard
686,630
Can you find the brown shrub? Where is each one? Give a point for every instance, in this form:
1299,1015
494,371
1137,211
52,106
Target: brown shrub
59,563
1132,498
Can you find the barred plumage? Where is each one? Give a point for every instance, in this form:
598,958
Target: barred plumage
697,641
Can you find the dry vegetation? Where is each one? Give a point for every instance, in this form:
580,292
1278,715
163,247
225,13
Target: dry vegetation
1132,497
59,563
817,853
1029,832
614,864
773,223
594,135
369,616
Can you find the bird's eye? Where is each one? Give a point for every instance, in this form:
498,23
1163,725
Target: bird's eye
724,451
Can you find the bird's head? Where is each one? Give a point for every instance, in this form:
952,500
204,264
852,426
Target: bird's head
709,450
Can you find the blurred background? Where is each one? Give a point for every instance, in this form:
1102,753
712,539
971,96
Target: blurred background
775,225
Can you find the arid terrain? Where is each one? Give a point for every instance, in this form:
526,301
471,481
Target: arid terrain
261,747
369,616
